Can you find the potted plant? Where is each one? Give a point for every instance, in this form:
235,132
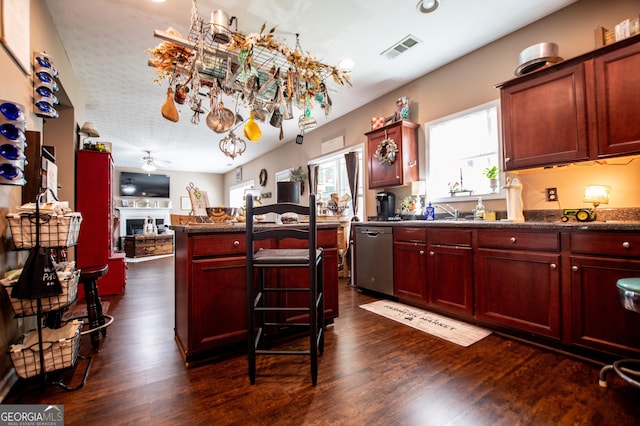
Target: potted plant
492,174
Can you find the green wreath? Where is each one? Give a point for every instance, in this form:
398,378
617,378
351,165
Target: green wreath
386,152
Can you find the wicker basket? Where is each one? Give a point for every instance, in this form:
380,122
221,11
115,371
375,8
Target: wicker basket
60,348
23,307
55,231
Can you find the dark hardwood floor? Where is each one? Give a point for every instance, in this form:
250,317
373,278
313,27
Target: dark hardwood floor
373,371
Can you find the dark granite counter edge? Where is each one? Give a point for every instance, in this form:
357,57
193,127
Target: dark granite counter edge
210,228
528,225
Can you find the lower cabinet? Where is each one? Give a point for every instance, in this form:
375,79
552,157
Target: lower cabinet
599,321
520,290
210,295
219,303
450,271
518,280
410,265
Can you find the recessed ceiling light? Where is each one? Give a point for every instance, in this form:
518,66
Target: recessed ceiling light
346,64
427,6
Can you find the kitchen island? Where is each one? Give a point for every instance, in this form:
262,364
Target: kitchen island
210,295
553,283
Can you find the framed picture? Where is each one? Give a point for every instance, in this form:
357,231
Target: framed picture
239,174
185,203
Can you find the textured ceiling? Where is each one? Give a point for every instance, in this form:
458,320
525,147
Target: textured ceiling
105,41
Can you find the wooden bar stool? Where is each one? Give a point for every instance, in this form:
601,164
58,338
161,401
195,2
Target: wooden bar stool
269,302
89,278
627,369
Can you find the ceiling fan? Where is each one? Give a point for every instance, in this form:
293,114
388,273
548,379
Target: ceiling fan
150,164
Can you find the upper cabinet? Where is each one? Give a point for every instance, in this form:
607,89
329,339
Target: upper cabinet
581,109
392,153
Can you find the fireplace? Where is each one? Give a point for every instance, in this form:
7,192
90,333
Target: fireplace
136,226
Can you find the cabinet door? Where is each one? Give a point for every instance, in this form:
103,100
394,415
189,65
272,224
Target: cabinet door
617,101
450,278
410,272
544,120
599,321
218,300
520,290
299,278
383,175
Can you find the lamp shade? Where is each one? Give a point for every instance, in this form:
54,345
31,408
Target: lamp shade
289,192
597,194
418,187
89,129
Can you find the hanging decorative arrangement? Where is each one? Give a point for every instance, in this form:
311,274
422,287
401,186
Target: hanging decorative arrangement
258,71
386,152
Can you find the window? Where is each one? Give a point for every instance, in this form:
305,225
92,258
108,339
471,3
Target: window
236,193
459,148
333,179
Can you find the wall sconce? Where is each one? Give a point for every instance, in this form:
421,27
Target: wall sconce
596,194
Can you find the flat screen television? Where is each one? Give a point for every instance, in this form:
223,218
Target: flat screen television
142,185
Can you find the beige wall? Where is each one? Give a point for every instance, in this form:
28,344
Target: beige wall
17,87
471,81
211,183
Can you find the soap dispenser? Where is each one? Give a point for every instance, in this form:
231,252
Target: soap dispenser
430,212
479,210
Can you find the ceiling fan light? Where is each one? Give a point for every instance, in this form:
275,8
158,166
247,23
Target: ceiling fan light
427,6
148,167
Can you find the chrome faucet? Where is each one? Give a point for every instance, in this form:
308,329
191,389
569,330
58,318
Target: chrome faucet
450,210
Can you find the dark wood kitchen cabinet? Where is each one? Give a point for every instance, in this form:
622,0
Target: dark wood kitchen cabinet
518,280
210,295
404,169
544,120
580,109
617,84
450,271
598,320
410,265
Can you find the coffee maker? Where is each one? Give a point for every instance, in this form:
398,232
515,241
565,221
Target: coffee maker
386,205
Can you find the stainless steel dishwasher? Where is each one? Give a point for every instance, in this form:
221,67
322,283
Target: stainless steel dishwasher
374,258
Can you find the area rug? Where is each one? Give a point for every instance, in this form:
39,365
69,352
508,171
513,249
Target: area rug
449,329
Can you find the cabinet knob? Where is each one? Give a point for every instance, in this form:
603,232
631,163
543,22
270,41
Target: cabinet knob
574,268
512,239
432,253
553,266
421,252
236,243
626,245
507,159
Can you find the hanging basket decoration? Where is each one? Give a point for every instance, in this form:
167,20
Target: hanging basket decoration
386,152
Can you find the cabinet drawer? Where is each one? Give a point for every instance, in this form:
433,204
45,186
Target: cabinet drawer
606,243
412,235
450,237
220,244
519,240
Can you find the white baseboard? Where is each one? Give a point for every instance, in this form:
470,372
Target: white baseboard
7,383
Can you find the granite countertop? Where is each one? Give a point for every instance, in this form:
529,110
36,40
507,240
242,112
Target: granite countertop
612,225
220,228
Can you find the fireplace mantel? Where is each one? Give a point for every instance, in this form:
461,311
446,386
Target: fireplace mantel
142,213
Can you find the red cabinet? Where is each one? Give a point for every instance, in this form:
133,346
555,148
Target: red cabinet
404,169
94,199
410,265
